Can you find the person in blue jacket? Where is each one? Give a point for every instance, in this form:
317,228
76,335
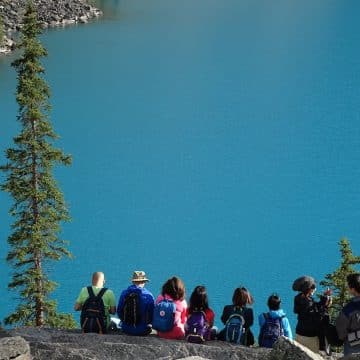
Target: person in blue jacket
136,306
275,312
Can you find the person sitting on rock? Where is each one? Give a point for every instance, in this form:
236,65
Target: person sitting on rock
274,323
136,305
172,297
238,309
88,322
199,303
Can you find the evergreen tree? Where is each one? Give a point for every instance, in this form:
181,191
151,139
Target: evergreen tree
336,281
39,205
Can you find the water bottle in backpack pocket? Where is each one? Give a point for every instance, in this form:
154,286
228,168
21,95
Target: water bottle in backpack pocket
234,329
92,318
271,330
164,315
196,328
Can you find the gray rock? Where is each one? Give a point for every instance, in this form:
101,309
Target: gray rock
8,45
193,358
73,345
285,349
51,13
14,348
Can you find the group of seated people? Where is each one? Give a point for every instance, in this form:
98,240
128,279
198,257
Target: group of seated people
172,318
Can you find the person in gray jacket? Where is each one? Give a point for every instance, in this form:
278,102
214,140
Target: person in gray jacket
348,321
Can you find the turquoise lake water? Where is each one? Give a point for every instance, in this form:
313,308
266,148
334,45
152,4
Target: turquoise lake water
215,140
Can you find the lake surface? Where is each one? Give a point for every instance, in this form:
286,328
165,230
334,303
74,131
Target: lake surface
215,140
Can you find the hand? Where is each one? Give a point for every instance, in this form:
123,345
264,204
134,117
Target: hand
328,292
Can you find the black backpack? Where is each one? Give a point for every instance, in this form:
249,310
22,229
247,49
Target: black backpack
92,317
131,314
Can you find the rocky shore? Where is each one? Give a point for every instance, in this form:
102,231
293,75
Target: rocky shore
51,13
44,344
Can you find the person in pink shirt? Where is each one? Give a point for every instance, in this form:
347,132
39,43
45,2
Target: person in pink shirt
174,290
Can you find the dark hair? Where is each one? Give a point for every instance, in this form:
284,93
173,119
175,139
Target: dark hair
242,297
274,302
175,288
308,288
353,281
198,299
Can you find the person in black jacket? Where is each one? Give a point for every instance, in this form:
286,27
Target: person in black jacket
311,315
241,298
348,321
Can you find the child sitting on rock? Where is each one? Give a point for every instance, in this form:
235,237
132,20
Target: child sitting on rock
200,318
274,323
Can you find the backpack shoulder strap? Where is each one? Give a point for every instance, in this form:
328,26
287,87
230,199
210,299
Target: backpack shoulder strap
237,310
101,292
90,291
266,315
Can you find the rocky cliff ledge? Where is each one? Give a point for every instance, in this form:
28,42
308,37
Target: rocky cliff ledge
72,345
51,13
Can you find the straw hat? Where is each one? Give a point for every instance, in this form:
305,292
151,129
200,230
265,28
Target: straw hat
139,276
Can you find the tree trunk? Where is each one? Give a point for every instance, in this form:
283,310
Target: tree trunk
39,303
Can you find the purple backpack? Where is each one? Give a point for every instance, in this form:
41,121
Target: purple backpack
196,328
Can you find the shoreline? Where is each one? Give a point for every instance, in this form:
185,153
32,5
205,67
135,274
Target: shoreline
51,13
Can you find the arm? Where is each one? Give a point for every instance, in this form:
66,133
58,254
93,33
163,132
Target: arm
303,305
81,299
120,306
342,323
210,315
181,313
148,307
112,310
324,304
261,320
112,301
225,315
287,328
249,317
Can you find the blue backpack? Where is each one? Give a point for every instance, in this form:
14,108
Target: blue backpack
196,328
234,328
270,331
163,315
